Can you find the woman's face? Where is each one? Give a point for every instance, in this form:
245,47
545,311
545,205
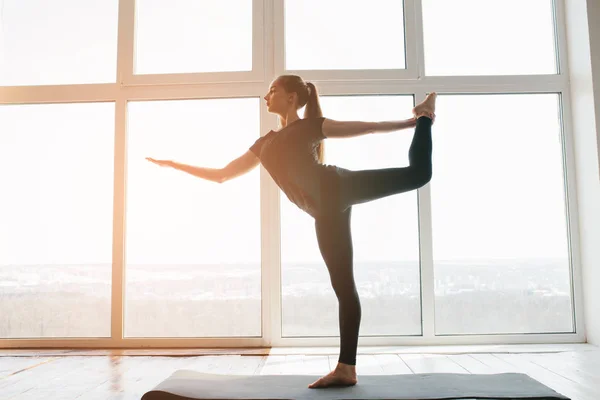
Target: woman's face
277,98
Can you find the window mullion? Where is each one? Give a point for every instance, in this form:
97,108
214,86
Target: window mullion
413,22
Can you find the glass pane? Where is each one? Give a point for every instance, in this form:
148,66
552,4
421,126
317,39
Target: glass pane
500,244
474,37
193,36
193,246
56,164
385,235
40,47
338,34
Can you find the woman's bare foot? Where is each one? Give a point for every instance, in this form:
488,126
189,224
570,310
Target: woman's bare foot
427,107
342,375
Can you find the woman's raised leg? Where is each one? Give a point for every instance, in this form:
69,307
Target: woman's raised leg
362,186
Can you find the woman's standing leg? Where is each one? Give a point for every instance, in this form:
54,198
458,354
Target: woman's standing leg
335,242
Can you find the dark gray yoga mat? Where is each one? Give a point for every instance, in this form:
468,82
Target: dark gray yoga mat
187,384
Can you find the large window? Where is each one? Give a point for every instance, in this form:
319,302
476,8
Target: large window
344,35
193,36
193,246
100,247
56,164
500,238
473,37
39,46
385,236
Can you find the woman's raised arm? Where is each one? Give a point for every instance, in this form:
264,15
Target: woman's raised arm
344,129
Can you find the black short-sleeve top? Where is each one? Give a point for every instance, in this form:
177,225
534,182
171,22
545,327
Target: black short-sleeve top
290,157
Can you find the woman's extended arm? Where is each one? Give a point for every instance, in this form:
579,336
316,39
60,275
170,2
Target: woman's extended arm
241,165
235,168
344,129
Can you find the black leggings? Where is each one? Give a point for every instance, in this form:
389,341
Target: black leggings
333,228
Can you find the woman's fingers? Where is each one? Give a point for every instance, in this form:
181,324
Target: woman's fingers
162,163
152,160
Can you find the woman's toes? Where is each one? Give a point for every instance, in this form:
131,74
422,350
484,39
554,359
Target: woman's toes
333,380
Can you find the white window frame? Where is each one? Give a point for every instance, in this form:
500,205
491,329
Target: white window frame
268,61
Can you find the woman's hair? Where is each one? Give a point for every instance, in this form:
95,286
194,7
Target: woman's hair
307,96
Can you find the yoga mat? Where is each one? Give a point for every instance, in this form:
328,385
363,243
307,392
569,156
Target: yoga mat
188,385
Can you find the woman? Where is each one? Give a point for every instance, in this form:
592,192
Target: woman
293,156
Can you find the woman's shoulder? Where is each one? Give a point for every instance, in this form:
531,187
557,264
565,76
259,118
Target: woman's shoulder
315,118
303,122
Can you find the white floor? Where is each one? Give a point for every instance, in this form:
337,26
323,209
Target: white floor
572,370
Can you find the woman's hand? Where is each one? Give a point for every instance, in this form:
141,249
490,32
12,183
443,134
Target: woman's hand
162,163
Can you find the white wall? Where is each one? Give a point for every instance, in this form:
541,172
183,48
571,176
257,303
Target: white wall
593,18
583,36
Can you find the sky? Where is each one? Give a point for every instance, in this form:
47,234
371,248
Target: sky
497,187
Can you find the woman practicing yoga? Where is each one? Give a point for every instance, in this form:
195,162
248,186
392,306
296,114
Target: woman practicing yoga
293,156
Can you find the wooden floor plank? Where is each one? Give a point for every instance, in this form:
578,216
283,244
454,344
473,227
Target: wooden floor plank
392,364
93,372
15,365
431,363
316,365
568,368
496,364
273,365
27,380
137,375
471,364
367,364
246,365
554,381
